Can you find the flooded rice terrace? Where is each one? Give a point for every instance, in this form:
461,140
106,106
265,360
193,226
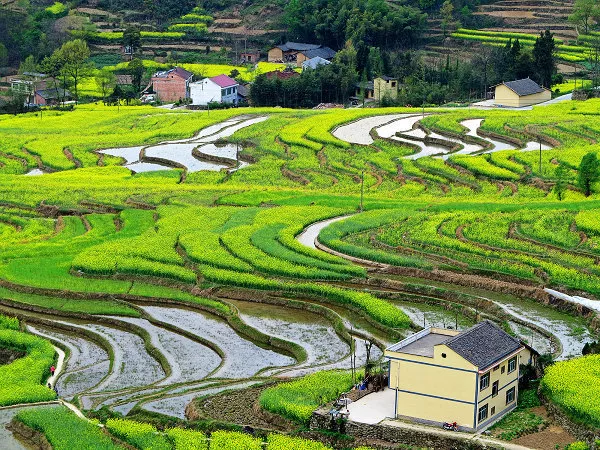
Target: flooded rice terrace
194,154
403,128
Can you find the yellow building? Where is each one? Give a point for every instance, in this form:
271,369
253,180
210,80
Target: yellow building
385,87
520,93
469,377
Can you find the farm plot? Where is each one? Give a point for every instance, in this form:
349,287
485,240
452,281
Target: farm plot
86,366
175,404
181,153
312,332
132,366
243,358
189,360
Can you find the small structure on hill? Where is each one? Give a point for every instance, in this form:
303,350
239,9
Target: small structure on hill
315,62
297,52
377,89
221,89
469,377
285,74
172,85
518,93
250,56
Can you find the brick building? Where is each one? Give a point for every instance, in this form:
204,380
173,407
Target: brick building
172,85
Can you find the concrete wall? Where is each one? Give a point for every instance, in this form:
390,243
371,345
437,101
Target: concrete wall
506,97
204,91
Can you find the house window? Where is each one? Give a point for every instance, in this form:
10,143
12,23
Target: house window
510,395
393,84
483,413
493,411
503,369
496,368
512,364
484,383
494,389
443,355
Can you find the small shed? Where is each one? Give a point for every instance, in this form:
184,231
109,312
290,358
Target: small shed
519,93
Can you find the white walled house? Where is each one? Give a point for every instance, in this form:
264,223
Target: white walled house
221,89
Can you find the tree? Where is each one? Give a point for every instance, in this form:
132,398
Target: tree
584,12
588,172
375,63
136,69
543,56
74,55
52,67
3,55
28,65
447,12
132,38
106,82
560,187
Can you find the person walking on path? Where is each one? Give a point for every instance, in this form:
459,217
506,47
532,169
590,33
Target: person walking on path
52,370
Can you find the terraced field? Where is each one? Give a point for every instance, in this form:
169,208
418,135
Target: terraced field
180,255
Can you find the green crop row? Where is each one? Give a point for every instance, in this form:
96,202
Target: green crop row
140,435
376,308
574,385
64,430
297,399
23,379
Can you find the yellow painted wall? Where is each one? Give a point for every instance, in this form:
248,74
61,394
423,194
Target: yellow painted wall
505,382
300,58
506,97
383,88
435,410
433,379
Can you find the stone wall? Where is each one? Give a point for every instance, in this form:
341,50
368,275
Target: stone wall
584,94
417,436
581,432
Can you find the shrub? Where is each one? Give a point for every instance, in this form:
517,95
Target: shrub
141,435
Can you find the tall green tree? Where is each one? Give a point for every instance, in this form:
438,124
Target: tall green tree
585,12
543,56
136,69
132,37
447,13
74,55
588,173
562,182
106,81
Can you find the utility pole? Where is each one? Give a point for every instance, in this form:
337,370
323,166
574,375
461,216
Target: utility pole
362,189
540,141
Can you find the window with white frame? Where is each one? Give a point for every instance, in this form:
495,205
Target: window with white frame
483,413
512,364
510,395
484,382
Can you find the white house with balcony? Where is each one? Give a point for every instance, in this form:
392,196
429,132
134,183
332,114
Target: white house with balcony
221,89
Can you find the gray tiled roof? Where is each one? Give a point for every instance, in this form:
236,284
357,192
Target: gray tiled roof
297,46
483,344
315,62
322,52
526,86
